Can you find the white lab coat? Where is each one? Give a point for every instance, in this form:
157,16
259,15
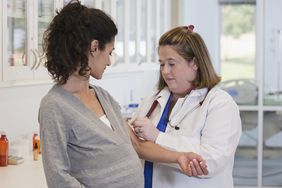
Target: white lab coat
212,130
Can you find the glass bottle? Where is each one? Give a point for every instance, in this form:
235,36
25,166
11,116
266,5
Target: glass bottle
4,149
34,139
35,152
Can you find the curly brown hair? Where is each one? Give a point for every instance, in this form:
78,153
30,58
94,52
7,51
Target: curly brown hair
68,38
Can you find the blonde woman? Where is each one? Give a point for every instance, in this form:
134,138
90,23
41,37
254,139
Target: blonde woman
188,113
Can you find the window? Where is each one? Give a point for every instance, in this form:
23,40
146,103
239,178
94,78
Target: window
238,42
238,71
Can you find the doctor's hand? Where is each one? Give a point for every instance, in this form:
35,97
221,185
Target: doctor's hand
192,164
144,128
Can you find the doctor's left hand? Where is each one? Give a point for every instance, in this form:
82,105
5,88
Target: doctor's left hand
144,128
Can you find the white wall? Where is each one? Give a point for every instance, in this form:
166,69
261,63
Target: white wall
19,108
129,87
273,45
204,15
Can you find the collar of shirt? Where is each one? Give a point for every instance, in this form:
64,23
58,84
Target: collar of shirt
183,105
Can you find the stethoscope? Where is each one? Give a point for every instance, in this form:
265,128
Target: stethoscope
176,127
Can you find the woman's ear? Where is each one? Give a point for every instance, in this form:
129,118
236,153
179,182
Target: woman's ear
194,64
94,45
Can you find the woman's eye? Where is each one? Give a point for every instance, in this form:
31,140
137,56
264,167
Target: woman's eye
162,65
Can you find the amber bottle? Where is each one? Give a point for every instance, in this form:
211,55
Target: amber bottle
4,149
35,152
34,139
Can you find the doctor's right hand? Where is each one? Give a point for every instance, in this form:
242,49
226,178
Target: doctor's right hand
144,128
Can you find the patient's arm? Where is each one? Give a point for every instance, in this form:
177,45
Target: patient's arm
190,163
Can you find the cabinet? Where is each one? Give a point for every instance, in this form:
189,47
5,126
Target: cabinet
23,23
140,23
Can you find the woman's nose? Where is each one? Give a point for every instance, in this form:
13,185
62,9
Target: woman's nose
166,69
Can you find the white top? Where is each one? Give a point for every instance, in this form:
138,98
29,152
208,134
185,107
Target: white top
106,121
212,130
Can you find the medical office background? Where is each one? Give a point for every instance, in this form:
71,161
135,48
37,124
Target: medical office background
244,38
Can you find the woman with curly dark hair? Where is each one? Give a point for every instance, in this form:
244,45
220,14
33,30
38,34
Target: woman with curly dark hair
84,140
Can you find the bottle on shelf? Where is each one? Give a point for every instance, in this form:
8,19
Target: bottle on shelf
4,149
35,140
35,135
35,152
131,109
38,143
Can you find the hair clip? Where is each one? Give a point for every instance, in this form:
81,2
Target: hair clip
190,28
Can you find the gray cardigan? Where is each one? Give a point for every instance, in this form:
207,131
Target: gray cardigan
79,150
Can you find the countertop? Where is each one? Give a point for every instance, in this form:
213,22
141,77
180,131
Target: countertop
29,174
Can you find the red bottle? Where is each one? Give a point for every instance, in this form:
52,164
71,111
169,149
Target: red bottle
4,148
